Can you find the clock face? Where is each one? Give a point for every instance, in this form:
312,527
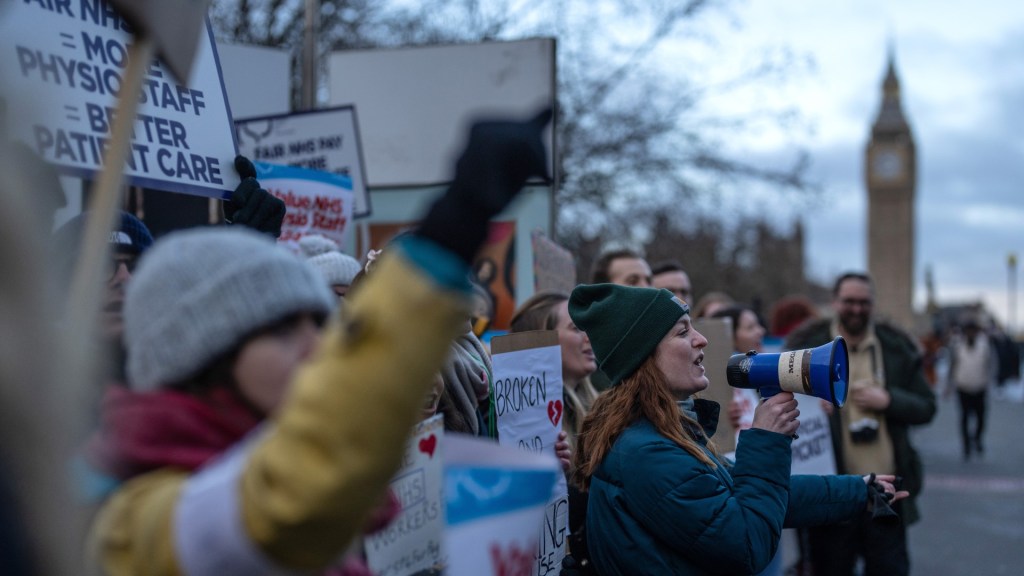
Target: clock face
887,165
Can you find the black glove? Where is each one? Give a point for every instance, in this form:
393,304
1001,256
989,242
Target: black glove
499,157
878,503
251,205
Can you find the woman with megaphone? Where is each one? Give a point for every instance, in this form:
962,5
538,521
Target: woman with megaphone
662,500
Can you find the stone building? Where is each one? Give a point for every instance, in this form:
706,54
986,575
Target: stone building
890,173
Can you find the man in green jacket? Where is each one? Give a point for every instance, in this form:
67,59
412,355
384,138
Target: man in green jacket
888,394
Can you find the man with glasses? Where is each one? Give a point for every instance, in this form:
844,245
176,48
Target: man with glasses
888,394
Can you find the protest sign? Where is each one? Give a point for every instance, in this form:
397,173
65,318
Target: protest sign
495,497
325,140
69,59
554,267
812,449
812,446
317,202
529,406
412,541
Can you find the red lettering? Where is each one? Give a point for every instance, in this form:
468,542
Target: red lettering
331,223
324,204
297,219
293,200
512,562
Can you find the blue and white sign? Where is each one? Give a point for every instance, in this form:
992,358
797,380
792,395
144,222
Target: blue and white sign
317,202
325,140
495,500
61,68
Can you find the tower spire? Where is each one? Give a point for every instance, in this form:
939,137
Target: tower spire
890,119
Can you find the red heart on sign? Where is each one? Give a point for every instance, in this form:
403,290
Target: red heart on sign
428,444
555,411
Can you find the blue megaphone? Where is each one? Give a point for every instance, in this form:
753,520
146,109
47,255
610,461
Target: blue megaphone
823,372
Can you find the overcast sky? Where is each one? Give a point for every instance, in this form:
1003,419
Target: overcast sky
961,68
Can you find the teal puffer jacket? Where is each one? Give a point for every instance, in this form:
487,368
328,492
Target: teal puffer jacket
656,509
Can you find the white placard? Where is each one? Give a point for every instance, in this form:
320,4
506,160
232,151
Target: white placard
812,448
412,541
61,66
317,202
495,498
529,405
812,451
325,140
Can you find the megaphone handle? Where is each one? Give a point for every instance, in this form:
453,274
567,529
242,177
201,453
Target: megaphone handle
795,436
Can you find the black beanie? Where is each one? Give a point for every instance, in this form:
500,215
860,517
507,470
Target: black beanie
624,324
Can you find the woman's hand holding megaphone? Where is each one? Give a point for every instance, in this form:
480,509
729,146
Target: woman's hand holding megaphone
778,414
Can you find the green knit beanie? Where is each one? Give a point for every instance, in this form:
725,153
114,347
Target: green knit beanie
624,324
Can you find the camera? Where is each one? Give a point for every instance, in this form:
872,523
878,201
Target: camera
864,430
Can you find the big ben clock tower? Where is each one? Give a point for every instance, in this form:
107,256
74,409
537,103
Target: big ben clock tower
891,175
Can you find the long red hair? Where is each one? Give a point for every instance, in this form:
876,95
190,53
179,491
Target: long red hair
643,394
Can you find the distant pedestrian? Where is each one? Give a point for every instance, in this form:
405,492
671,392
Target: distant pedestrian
973,368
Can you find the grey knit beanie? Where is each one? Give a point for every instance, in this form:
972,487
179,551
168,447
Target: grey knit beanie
198,292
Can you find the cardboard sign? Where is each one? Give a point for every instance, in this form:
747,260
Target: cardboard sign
61,66
317,202
412,542
718,331
554,267
495,498
325,140
529,405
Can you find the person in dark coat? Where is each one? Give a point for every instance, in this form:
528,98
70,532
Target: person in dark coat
888,394
662,500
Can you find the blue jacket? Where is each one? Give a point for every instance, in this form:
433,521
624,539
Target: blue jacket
655,509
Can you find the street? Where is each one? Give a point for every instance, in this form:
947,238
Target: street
972,512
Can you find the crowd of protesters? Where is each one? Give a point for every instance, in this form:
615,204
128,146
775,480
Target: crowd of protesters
256,403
